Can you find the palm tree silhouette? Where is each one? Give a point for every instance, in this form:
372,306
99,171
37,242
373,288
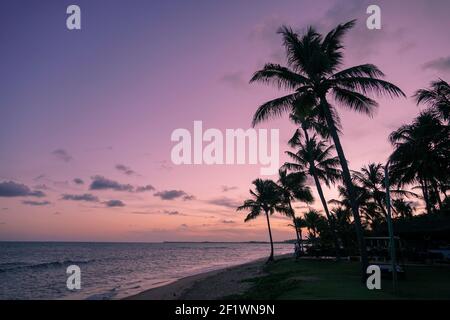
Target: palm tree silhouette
298,224
292,187
315,158
403,209
312,74
421,153
266,199
313,220
437,98
371,179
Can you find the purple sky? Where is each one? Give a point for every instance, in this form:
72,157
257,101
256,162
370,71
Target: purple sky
101,103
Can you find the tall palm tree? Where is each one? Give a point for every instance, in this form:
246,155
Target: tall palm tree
421,153
315,157
266,199
312,75
292,187
437,97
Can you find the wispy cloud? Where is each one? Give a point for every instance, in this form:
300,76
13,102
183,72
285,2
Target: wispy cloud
228,221
173,194
439,64
80,197
236,80
227,188
145,188
78,181
36,203
125,170
225,202
161,212
102,183
62,154
14,189
114,203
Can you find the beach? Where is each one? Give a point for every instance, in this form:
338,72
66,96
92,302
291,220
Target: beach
210,285
115,270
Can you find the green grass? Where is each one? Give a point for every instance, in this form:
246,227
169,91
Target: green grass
321,279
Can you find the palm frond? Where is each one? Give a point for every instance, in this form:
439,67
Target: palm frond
282,77
355,101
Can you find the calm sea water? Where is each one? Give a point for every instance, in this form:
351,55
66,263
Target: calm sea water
37,270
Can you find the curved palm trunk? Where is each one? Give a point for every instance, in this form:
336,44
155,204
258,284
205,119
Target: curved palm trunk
331,221
349,186
270,235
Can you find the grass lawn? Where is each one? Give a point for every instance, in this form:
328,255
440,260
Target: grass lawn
321,279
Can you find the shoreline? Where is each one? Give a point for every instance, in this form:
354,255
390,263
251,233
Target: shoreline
209,285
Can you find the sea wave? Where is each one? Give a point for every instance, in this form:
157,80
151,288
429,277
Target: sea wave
6,267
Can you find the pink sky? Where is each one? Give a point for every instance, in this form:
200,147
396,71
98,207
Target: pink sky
113,93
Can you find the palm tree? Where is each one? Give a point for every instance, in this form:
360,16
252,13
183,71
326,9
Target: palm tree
362,200
292,187
313,220
298,224
371,179
437,98
403,209
267,199
312,75
315,158
421,153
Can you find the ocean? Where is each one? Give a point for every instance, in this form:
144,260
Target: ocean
37,270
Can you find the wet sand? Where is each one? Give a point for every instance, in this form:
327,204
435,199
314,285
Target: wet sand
210,285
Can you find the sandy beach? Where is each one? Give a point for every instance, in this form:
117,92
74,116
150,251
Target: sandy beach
208,285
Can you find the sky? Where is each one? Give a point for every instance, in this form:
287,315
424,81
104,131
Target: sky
86,116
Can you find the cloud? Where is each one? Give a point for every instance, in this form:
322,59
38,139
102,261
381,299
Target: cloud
114,203
80,197
42,187
145,188
235,80
102,183
126,170
13,189
165,165
62,155
226,188
36,203
172,212
78,181
40,177
173,194
438,64
163,212
225,202
228,221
